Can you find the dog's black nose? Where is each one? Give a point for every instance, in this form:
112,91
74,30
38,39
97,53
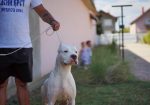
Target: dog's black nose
74,56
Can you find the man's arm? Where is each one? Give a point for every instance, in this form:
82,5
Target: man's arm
47,17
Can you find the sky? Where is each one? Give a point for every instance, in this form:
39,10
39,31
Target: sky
130,13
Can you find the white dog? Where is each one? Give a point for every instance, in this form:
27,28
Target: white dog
60,86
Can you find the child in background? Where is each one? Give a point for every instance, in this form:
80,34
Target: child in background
81,53
85,54
89,52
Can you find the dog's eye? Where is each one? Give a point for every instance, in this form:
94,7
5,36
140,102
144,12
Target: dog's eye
75,51
65,51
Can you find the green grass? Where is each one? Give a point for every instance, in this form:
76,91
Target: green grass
130,92
123,89
96,91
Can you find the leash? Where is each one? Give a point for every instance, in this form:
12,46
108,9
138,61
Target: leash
58,36
45,31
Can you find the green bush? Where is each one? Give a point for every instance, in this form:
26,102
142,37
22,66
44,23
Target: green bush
98,72
146,38
126,30
113,46
118,73
107,66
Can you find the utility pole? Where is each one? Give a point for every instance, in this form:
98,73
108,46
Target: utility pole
118,18
122,26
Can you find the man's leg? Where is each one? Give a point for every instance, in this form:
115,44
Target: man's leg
22,92
3,92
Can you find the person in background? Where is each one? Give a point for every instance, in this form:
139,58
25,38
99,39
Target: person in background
86,54
15,34
89,50
81,53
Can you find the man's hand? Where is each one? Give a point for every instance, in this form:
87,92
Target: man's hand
47,17
55,25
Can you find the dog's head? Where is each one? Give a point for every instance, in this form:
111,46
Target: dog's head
68,54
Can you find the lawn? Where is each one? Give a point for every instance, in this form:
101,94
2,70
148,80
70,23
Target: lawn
93,88
131,92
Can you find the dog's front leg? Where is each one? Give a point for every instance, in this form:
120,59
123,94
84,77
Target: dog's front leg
51,100
71,102
51,103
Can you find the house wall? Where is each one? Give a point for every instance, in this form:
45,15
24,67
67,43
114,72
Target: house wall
133,29
76,27
139,27
141,23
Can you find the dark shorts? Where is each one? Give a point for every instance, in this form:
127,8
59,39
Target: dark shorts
18,64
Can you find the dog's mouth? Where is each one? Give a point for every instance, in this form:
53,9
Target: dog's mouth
71,62
74,61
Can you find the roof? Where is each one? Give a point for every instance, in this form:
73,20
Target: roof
142,15
90,5
101,13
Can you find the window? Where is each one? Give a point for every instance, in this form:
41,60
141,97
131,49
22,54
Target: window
107,22
147,22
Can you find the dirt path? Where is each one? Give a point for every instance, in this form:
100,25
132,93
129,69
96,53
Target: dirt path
139,57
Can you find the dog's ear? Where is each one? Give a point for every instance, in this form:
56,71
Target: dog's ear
60,47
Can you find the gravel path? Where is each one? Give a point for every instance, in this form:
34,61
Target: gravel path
139,57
